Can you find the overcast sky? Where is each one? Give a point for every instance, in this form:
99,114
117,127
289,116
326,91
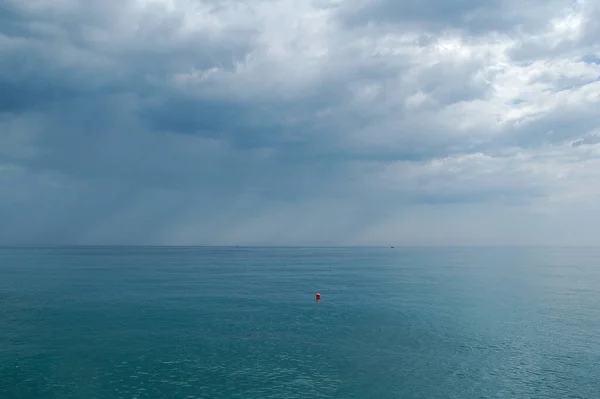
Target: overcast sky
304,122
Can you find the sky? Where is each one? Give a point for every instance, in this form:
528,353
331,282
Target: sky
299,122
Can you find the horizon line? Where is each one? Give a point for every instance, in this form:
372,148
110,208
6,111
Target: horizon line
390,246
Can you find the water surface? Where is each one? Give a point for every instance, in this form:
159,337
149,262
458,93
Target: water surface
243,323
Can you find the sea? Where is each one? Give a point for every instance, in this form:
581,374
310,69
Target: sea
236,322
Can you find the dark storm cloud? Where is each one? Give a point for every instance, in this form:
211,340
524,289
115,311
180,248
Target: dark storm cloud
274,122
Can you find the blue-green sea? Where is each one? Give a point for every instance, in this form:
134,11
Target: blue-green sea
160,322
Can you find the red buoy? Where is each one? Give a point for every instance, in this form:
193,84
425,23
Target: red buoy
318,296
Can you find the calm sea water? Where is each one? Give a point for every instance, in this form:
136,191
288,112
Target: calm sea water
243,323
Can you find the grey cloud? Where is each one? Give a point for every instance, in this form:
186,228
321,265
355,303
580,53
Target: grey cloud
431,15
475,16
104,145
97,51
449,84
590,28
590,139
144,68
561,125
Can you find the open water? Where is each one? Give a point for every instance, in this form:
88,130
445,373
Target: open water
145,322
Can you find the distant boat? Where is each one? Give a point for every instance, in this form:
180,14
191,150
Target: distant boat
392,246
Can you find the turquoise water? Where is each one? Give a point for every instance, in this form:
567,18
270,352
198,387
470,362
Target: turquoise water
243,323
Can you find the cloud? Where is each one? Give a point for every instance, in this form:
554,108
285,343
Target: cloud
299,122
